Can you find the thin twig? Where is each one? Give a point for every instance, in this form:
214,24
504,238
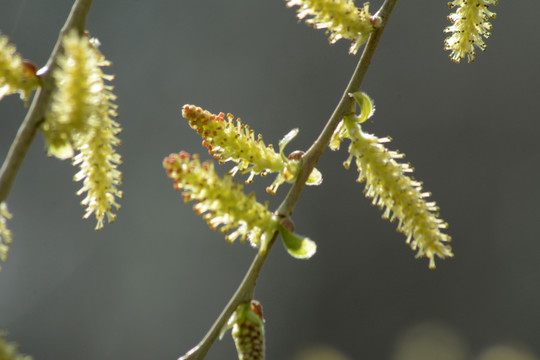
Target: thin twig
244,293
41,101
311,157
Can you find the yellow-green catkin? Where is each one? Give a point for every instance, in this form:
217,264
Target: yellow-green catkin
5,234
470,24
341,18
16,75
228,140
221,201
81,119
248,331
10,351
400,196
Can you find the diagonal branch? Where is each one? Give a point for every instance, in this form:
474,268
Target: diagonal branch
41,102
311,157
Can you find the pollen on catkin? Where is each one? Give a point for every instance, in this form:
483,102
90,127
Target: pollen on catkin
5,234
228,140
470,24
16,75
221,201
81,119
398,195
341,18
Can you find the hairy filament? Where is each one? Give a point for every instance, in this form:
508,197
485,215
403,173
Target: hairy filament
81,119
221,201
341,17
98,164
470,23
399,195
16,75
5,234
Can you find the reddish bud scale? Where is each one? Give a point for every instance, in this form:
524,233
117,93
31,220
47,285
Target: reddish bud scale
30,68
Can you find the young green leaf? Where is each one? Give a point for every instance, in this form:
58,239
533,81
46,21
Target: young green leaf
287,139
367,108
297,246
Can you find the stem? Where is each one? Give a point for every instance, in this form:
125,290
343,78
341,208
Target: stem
311,157
41,101
244,293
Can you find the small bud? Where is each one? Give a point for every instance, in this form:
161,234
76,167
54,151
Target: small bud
247,325
296,155
288,224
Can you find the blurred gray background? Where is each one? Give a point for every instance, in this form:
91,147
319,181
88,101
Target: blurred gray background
150,285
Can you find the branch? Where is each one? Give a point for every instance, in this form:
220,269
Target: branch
311,157
41,102
243,293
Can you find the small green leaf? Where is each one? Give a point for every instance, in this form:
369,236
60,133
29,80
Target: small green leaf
315,178
286,139
298,246
367,108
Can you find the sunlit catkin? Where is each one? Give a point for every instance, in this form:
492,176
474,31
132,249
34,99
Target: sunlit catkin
399,195
221,201
341,17
228,140
387,183
81,119
470,24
